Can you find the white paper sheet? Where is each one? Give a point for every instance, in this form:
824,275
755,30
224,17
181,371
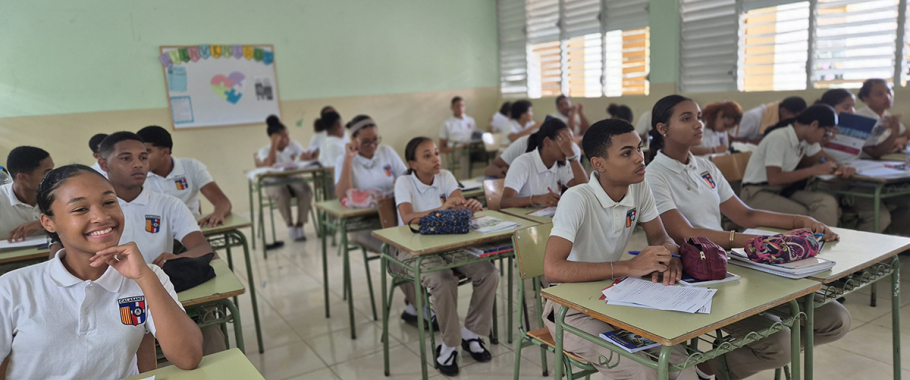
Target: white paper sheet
546,212
658,296
471,185
31,241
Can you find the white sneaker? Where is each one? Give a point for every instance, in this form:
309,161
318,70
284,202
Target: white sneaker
300,234
292,233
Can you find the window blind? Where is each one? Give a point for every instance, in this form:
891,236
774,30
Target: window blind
774,44
513,45
709,31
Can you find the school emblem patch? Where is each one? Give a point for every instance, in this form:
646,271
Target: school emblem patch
388,170
707,177
443,198
152,223
630,217
181,183
132,310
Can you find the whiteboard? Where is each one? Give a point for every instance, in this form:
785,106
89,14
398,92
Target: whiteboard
220,85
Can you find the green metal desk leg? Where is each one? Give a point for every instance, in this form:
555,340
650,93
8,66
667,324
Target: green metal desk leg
249,187
249,278
558,366
418,295
809,307
325,269
383,267
238,328
895,314
663,364
509,307
347,275
230,259
795,339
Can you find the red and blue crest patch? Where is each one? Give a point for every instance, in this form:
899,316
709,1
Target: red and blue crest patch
181,183
443,198
710,180
152,223
388,170
630,217
132,310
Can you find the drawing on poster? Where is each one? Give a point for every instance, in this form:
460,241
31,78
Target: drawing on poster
182,109
264,89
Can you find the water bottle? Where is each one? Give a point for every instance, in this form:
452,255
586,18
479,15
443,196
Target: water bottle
4,177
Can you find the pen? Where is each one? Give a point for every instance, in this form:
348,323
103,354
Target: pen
819,235
634,253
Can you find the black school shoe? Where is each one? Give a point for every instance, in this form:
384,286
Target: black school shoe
412,320
450,369
482,357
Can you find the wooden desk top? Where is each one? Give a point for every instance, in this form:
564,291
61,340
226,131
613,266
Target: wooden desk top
224,285
230,364
335,209
21,254
754,292
286,173
416,244
231,222
858,250
522,212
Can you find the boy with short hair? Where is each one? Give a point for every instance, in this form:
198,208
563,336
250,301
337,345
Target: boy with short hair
183,178
94,144
456,129
573,116
592,225
19,212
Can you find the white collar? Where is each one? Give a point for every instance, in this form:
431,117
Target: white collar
540,166
176,170
111,280
675,166
422,187
142,199
605,200
14,200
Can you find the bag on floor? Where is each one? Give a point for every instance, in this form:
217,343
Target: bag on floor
441,222
783,248
703,259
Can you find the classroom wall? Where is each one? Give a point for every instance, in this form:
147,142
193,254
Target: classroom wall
91,66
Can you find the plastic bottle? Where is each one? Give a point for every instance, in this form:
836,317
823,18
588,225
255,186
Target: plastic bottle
4,177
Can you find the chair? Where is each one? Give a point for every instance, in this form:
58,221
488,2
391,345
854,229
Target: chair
733,167
492,142
530,244
492,191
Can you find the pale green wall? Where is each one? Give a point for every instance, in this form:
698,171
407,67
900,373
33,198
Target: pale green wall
99,55
664,23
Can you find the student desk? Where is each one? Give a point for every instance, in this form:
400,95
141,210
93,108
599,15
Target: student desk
22,254
335,217
522,212
230,364
319,176
218,291
861,258
753,293
440,252
229,235
461,155
880,188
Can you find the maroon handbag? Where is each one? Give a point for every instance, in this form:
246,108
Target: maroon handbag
703,259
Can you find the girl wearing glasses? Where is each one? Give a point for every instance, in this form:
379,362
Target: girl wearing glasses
787,157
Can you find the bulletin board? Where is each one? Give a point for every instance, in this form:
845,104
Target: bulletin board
220,85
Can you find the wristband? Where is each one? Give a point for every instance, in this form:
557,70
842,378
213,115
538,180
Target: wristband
572,159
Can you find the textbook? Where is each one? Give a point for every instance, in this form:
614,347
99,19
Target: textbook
470,185
629,341
691,281
795,269
854,132
489,224
489,249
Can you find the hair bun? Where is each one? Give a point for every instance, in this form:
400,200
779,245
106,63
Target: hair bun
272,120
612,108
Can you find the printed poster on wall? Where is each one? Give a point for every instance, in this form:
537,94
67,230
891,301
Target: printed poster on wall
220,85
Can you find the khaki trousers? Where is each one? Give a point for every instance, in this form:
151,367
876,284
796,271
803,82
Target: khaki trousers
443,286
893,212
821,206
625,369
282,196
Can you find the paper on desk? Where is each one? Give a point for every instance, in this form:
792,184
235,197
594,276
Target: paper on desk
658,296
31,241
756,231
871,168
149,378
546,212
471,185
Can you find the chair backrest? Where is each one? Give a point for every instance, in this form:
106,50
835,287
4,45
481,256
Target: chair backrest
732,166
530,245
492,141
492,190
388,215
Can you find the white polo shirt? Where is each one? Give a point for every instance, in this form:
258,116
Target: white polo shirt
14,213
423,197
868,112
713,139
644,123
456,130
529,176
520,147
377,173
696,189
750,124
56,326
779,148
514,127
332,148
184,182
290,153
153,221
598,227
565,119
318,138
499,122
98,169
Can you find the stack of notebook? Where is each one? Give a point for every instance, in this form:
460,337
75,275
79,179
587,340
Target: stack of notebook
795,269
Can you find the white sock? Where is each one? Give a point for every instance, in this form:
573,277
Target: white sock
444,353
292,233
300,232
410,309
702,374
468,335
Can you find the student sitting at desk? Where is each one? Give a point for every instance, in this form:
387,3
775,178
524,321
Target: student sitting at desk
573,116
332,147
537,178
500,167
27,165
592,225
183,178
620,111
94,144
500,120
776,175
894,208
755,122
719,117
457,129
83,314
690,194
320,133
521,122
282,150
424,189
878,97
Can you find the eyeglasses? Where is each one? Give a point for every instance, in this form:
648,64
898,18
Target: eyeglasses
830,131
374,142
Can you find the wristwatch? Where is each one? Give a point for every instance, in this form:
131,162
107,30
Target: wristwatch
572,159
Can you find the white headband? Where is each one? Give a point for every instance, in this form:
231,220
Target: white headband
368,122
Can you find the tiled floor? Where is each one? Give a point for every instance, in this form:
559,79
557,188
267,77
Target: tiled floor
300,343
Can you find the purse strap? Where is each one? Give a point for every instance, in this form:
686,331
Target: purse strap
411,227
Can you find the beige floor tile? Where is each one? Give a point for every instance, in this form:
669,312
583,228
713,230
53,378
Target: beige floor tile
338,347
322,374
404,364
286,361
834,363
275,333
308,319
874,342
501,367
885,320
860,311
